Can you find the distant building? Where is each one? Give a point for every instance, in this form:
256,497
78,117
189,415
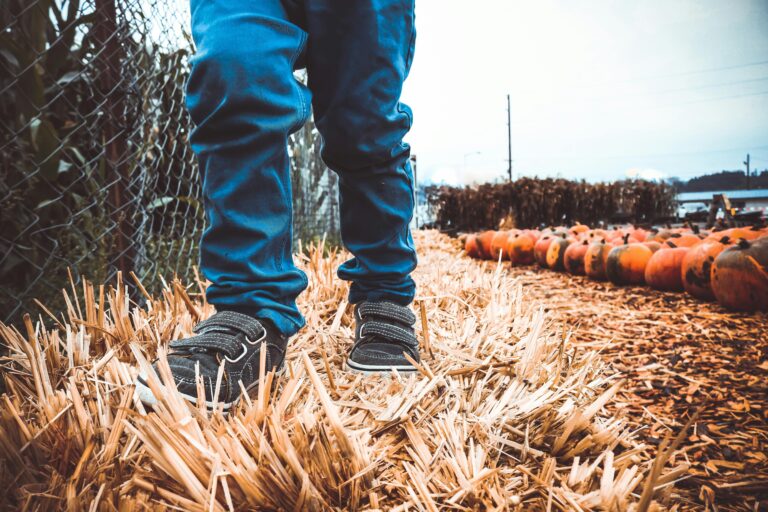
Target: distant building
743,201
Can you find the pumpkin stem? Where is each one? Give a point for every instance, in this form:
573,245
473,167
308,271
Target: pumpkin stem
626,239
672,244
725,240
743,244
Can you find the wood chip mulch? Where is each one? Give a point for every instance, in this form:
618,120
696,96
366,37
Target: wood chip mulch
679,355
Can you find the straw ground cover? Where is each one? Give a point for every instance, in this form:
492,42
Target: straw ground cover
506,412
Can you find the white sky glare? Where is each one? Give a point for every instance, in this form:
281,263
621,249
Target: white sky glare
600,89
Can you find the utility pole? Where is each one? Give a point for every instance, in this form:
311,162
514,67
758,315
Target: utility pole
746,162
509,135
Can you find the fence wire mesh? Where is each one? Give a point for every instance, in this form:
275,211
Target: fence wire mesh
97,172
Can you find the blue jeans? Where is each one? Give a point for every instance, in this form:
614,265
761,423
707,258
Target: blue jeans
245,102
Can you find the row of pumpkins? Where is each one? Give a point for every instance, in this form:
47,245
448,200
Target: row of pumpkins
730,266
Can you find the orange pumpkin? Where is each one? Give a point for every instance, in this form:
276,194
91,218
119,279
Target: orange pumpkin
578,229
471,247
484,242
499,245
593,235
696,270
597,233
684,239
520,248
573,259
619,241
640,234
663,271
626,264
545,231
656,235
594,260
752,233
556,252
624,240
540,249
614,234
535,234
653,246
740,276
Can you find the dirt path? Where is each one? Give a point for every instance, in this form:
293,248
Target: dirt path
679,355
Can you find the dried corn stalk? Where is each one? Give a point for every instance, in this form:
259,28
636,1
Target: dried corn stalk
532,202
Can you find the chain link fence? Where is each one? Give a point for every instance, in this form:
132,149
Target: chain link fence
97,173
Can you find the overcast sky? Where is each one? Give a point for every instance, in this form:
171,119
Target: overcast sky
599,89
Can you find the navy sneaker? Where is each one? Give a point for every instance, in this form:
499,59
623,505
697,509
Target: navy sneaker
229,338
383,335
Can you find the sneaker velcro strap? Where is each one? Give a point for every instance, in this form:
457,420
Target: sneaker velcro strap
223,342
232,321
389,332
387,311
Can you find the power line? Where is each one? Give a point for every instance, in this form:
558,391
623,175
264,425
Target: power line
708,86
647,155
707,100
677,74
712,70
618,97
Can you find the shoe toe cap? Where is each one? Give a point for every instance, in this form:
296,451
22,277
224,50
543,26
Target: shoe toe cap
384,355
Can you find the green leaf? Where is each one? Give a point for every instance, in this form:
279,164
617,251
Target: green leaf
76,152
9,57
45,203
45,142
64,166
68,78
34,127
160,202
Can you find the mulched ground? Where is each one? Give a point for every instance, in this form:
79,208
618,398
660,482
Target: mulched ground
679,355
505,414
484,424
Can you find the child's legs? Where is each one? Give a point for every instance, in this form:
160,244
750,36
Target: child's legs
358,56
244,101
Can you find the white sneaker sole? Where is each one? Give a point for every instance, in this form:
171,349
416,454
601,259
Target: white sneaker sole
373,369
144,393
